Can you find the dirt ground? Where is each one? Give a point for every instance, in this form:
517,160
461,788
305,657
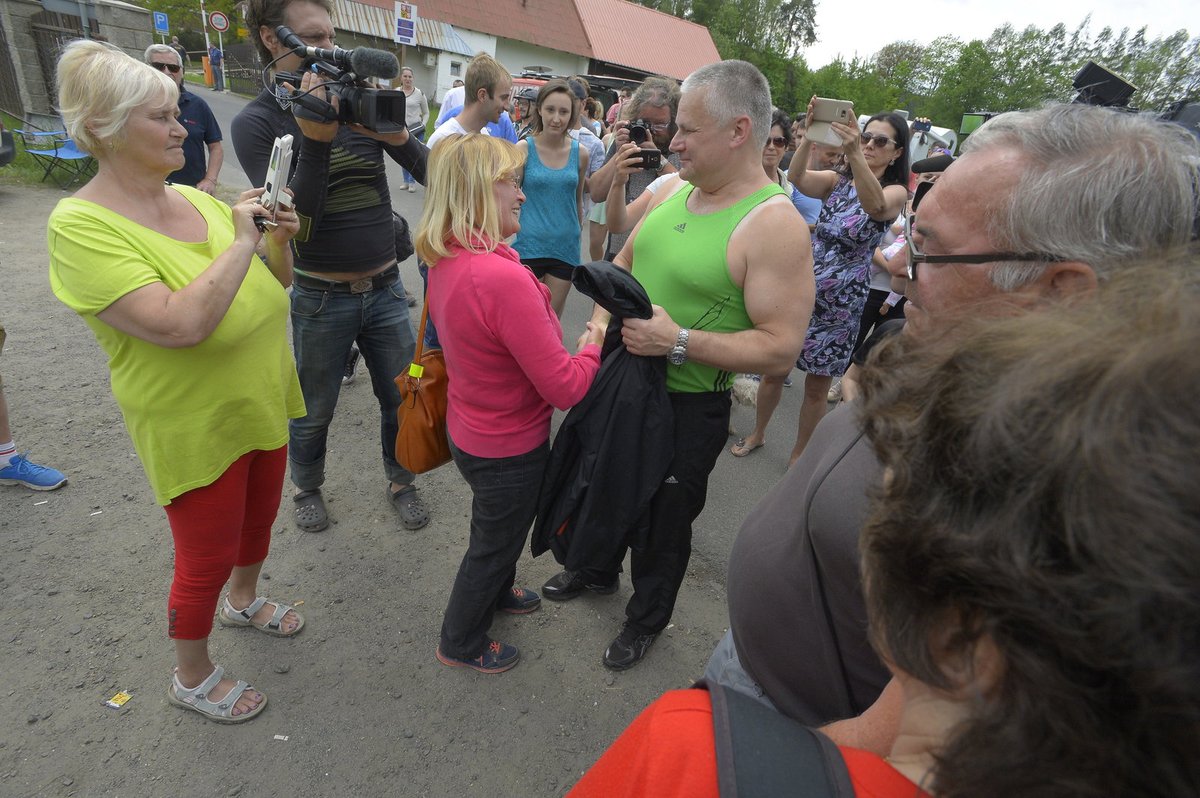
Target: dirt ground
358,704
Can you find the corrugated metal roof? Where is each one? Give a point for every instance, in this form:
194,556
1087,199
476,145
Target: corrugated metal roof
616,31
641,38
553,24
377,21
365,19
440,36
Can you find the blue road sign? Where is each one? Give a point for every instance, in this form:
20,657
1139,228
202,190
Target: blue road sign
160,23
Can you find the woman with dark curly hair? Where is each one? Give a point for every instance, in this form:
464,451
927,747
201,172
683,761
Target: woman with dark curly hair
861,199
1032,567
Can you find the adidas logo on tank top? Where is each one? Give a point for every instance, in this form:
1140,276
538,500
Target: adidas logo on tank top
679,227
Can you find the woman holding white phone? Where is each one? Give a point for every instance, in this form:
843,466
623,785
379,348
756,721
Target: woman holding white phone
861,198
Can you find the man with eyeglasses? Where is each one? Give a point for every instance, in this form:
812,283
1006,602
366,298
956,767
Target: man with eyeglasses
346,287
655,104
203,132
1042,206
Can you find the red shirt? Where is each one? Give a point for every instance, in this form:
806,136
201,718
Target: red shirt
669,751
507,366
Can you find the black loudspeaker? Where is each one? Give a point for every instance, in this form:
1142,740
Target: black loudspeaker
1097,86
1186,114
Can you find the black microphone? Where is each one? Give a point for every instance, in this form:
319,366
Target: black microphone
360,60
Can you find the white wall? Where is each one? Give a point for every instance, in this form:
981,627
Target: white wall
513,54
479,42
517,55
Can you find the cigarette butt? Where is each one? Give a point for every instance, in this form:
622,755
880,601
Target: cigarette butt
283,737
97,512
43,501
298,603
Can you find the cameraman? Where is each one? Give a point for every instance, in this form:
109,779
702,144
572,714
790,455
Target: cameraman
654,105
347,286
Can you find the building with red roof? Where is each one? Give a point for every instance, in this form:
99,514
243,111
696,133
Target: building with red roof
598,37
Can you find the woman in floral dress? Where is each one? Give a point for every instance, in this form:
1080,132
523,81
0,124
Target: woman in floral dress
861,199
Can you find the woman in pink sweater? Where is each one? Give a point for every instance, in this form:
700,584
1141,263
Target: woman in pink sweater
508,370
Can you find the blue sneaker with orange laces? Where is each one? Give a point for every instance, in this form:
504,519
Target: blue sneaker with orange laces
519,601
20,471
497,657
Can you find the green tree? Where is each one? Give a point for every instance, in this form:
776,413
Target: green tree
969,86
184,16
781,27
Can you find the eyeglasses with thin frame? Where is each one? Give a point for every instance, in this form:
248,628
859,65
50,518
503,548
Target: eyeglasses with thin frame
916,256
174,68
880,141
778,141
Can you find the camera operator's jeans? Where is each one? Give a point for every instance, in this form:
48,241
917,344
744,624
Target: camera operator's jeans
324,325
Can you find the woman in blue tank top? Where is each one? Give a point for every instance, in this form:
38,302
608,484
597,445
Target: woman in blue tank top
553,181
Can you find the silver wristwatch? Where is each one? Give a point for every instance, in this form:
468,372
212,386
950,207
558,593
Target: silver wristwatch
678,354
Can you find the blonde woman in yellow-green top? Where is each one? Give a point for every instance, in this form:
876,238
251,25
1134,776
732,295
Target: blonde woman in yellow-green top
187,298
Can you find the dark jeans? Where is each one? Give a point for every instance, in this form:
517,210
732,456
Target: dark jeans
872,317
324,324
701,430
419,135
504,502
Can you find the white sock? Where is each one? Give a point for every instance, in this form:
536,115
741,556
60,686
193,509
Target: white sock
7,451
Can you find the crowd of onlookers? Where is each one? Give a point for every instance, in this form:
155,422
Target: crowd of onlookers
980,574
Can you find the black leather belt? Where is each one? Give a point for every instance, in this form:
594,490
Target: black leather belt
382,280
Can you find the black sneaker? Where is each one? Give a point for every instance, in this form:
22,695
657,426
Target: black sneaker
627,650
351,366
566,585
497,657
519,601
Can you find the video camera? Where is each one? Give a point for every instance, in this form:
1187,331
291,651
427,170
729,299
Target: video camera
380,110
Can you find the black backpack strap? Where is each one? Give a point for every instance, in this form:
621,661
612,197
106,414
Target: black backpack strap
762,753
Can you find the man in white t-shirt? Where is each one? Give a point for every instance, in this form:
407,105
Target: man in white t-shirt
452,103
488,88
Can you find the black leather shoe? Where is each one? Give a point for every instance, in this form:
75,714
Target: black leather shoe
566,585
627,650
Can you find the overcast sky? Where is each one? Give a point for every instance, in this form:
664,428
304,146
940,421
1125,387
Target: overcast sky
855,27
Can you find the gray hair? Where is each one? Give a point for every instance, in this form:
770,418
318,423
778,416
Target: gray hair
657,92
735,88
99,85
164,50
1100,186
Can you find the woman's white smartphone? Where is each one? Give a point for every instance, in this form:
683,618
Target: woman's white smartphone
824,112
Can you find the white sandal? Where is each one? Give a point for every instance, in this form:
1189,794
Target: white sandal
229,616
196,698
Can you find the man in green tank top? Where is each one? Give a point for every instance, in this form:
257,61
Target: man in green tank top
726,260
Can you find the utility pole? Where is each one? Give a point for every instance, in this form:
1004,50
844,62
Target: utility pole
204,27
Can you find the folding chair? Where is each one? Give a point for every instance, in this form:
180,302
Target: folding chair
56,154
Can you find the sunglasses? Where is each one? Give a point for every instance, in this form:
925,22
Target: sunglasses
879,141
173,68
778,141
916,256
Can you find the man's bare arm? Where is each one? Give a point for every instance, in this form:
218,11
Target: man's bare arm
772,249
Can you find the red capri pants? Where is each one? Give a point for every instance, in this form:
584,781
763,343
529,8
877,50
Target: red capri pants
217,527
